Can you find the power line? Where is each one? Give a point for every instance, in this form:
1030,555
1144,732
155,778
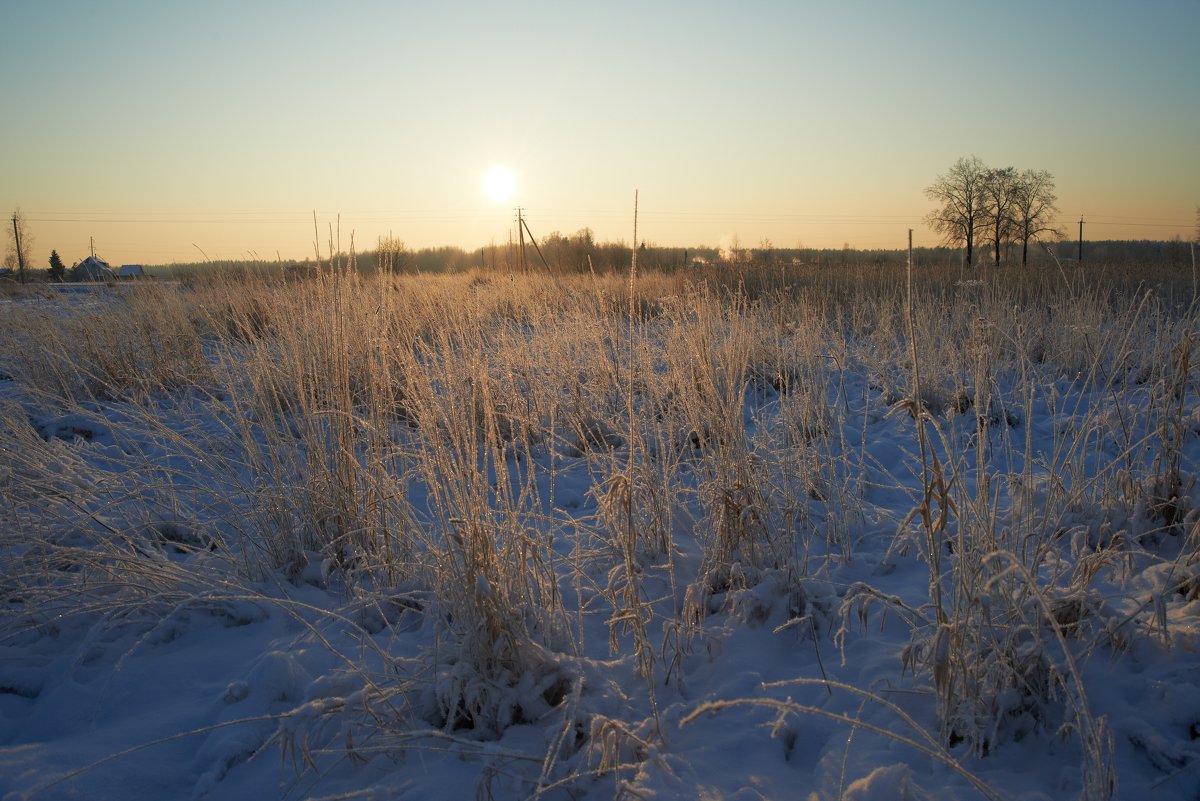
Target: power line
1072,221
584,216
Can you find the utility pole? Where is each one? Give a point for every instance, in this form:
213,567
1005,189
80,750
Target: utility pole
533,241
16,218
1081,239
521,234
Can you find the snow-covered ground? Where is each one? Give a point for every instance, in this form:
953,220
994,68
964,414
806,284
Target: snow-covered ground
770,630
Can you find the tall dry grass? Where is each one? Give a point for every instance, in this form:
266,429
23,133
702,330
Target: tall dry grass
419,438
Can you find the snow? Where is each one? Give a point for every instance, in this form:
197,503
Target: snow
208,681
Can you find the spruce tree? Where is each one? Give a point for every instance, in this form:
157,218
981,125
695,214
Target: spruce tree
58,271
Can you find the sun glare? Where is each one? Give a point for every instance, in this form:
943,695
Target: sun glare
499,183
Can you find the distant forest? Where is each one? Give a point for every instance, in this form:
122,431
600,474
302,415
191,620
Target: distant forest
580,252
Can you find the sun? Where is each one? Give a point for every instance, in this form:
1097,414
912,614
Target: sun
499,183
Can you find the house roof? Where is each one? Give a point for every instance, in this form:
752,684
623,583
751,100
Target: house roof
93,268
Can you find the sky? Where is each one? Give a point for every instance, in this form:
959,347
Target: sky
182,131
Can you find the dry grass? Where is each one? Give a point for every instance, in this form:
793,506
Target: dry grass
403,436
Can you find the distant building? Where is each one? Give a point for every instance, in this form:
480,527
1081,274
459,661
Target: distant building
131,271
92,269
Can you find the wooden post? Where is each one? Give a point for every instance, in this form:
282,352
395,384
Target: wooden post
521,235
536,246
1081,239
20,254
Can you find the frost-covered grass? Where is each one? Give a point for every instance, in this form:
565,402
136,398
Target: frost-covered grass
772,534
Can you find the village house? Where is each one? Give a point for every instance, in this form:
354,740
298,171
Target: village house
92,269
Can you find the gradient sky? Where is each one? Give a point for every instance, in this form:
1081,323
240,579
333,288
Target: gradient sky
169,129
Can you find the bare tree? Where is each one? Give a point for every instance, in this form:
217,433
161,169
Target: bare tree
960,194
999,193
1034,209
392,255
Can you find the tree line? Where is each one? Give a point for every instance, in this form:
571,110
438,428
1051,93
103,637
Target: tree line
977,204
995,206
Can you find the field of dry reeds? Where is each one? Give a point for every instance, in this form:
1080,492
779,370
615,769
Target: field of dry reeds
935,512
